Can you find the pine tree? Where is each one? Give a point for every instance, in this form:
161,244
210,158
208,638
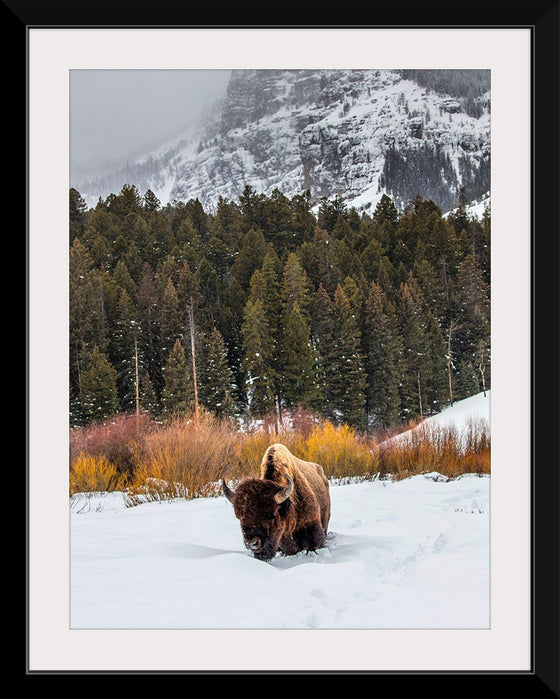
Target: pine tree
277,213
322,335
199,218
228,223
99,388
299,361
178,393
188,244
135,229
386,212
129,200
442,248
266,290
258,360
467,380
212,293
124,349
123,280
151,202
431,288
352,287
265,285
340,359
330,211
387,277
347,260
100,233
78,214
148,397
149,317
349,389
436,385
318,259
161,236
295,284
171,319
125,249
188,290
252,208
413,328
250,257
271,270
473,303
296,355
87,302
229,325
303,221
371,258
88,326
384,361
217,388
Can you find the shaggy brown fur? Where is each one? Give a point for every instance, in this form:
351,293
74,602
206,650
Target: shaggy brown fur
287,509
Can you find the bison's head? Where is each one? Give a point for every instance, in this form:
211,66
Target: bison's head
261,506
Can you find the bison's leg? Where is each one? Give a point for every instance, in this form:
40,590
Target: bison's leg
310,537
288,546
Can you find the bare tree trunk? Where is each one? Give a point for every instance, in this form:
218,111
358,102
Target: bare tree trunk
193,354
445,280
453,327
137,386
482,366
419,394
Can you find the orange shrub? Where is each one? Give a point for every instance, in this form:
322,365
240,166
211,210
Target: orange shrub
90,474
430,448
341,452
185,458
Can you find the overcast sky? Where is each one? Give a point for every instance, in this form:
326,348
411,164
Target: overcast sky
113,113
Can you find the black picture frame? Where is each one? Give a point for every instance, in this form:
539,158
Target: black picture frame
543,20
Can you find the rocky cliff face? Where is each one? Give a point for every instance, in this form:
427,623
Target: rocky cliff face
354,133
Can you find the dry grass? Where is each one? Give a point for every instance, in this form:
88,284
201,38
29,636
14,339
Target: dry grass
92,474
187,458
430,448
184,458
341,452
119,440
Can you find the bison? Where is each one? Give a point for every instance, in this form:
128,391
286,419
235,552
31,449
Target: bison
287,509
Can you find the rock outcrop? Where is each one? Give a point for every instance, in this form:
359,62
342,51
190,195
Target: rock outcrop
353,133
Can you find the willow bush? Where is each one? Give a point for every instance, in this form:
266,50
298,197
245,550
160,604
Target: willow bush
187,457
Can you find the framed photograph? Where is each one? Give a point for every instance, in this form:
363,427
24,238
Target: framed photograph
363,610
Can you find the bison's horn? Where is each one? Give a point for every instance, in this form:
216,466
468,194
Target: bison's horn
228,492
285,493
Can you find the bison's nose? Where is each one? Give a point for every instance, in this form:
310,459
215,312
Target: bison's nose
254,544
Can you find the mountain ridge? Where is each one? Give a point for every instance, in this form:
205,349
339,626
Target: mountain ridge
357,134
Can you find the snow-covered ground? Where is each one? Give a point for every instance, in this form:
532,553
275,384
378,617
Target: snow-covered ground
463,412
463,417
410,554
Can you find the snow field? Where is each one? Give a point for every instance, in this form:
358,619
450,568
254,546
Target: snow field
408,554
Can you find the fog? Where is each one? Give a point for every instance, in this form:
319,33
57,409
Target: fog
119,113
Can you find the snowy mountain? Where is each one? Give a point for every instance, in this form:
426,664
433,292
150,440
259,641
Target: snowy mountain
353,133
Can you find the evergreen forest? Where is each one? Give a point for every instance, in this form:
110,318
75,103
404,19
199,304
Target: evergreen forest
270,304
